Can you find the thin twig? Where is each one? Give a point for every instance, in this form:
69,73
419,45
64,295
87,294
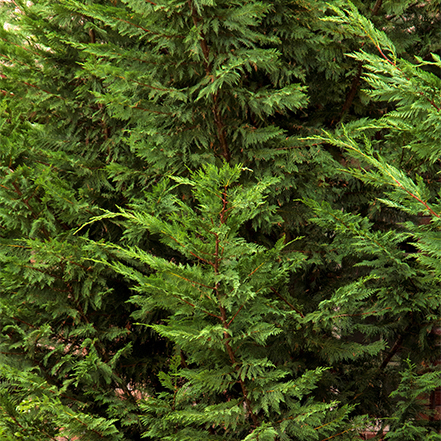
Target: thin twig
286,301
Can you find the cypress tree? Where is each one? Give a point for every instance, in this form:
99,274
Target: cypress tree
396,297
227,310
111,328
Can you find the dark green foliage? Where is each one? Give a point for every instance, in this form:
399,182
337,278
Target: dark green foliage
401,290
226,305
193,245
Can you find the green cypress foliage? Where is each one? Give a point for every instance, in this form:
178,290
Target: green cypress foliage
184,253
227,307
60,315
401,288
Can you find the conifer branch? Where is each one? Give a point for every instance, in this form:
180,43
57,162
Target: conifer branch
286,301
352,93
194,306
149,86
28,205
223,317
224,213
207,66
192,282
149,31
149,110
24,322
19,46
337,434
394,64
235,315
193,254
85,425
255,269
360,313
356,80
43,90
92,36
394,350
203,41
417,198
182,357
377,7
234,363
